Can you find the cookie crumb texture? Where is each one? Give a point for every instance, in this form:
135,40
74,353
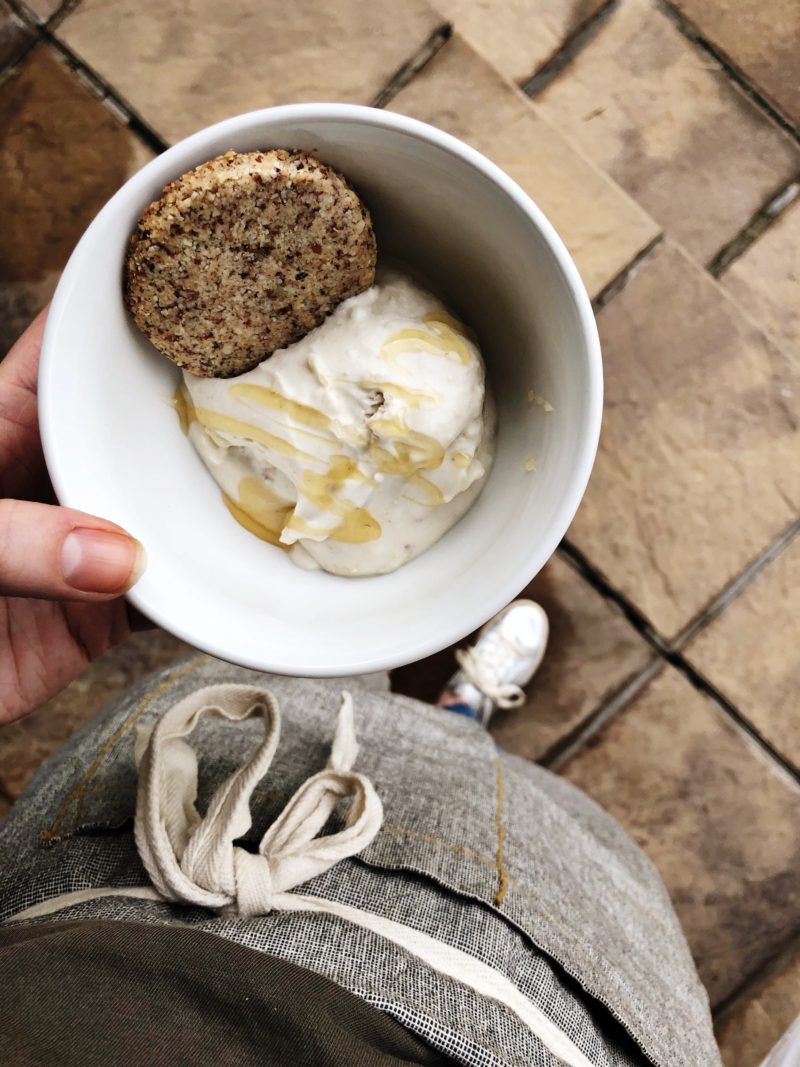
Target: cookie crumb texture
245,255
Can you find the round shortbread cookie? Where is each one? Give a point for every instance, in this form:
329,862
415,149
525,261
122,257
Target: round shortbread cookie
244,255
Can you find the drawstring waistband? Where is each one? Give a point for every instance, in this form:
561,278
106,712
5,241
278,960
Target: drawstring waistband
193,859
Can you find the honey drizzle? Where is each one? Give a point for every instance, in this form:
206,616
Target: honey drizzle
357,525
270,398
260,511
446,337
266,516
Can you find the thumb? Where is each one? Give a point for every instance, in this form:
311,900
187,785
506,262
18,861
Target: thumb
61,554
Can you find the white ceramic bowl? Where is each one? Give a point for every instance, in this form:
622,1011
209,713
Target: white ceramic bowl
114,447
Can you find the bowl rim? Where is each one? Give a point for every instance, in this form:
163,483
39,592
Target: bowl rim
530,565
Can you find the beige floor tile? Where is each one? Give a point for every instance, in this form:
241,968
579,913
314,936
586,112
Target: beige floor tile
183,66
761,39
592,651
518,36
765,281
750,653
666,123
718,821
62,155
755,1026
461,93
15,37
44,9
25,744
697,469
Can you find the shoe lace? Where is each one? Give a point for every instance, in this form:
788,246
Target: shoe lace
505,695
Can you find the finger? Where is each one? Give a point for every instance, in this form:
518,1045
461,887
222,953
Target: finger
21,461
22,362
61,554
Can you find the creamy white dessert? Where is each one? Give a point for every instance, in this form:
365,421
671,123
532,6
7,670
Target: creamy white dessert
358,447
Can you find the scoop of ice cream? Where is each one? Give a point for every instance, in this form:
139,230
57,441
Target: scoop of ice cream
359,446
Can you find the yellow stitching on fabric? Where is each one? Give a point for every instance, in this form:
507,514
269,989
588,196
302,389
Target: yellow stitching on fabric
78,790
438,841
502,873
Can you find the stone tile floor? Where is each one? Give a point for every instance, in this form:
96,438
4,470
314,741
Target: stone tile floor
662,137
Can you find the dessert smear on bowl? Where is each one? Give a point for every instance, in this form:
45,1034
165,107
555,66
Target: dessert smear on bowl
344,414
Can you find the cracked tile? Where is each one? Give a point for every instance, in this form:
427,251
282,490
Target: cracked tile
462,94
717,818
592,651
518,37
750,652
697,468
765,280
761,39
181,67
25,744
46,115
665,121
757,1024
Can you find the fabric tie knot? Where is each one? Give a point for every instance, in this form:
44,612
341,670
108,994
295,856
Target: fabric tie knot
193,860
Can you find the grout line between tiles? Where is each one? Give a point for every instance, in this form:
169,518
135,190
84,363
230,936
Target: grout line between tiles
668,652
733,589
58,16
25,46
575,43
63,9
101,89
581,563
411,68
562,752
708,689
761,221
693,33
618,283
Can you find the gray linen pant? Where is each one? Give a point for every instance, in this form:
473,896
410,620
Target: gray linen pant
478,849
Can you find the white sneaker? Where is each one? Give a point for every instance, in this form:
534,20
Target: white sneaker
507,654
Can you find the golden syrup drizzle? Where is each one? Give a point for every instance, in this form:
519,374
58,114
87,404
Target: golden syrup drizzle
182,403
454,324
462,459
446,337
214,420
301,413
414,398
270,398
432,492
414,451
357,525
260,510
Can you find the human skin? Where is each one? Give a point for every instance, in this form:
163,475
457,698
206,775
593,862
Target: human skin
62,573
